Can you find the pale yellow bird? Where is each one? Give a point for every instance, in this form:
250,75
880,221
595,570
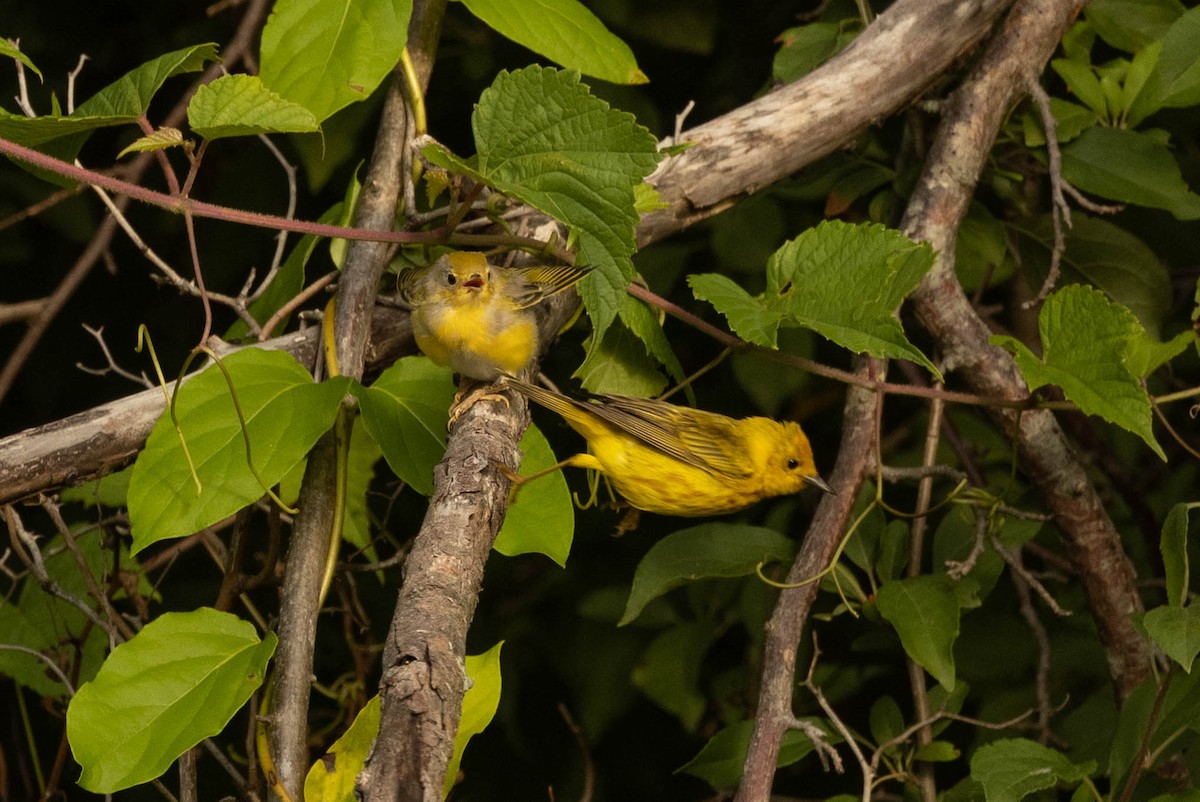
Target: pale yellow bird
478,318
677,460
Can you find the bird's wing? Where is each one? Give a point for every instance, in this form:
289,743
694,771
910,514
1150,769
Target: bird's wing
409,283
698,438
535,283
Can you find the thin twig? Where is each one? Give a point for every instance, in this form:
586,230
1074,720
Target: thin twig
113,367
1060,212
50,664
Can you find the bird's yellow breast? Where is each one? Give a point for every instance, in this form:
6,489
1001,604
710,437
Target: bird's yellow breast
475,335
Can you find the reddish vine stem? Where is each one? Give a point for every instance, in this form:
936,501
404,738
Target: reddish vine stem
181,204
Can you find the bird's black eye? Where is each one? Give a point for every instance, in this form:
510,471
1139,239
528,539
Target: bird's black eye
451,279
793,464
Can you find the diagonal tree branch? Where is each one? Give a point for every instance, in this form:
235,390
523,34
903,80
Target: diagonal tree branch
972,118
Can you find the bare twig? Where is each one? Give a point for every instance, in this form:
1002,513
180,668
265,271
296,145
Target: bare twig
1060,211
113,367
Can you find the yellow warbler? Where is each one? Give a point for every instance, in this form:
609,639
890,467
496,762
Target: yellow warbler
476,317
681,461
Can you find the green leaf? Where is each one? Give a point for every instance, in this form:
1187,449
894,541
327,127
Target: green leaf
699,552
1086,341
938,752
1115,260
925,612
1173,546
543,518
1130,25
1179,63
121,102
326,54
747,316
1177,631
618,363
172,685
721,760
1082,81
1140,88
1129,167
1146,354
360,471
1070,120
644,324
240,105
110,490
669,673
406,411
478,707
129,96
804,48
886,720
38,620
1011,769
563,31
285,414
981,250
161,139
846,283
542,137
10,50
331,778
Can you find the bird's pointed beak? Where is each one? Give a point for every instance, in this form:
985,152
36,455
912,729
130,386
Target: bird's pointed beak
475,282
817,481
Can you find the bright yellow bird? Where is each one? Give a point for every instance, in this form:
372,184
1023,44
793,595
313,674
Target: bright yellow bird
681,461
476,317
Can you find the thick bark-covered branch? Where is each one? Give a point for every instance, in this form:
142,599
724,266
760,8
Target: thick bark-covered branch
786,624
904,51
972,118
107,438
357,287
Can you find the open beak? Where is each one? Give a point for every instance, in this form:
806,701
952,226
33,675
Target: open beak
475,282
817,481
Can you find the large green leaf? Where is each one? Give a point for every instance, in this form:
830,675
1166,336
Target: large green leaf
478,706
542,137
564,31
239,105
1011,769
285,414
925,612
406,411
172,685
331,778
842,281
669,673
1132,24
699,552
543,519
326,54
1111,258
1177,631
1129,167
1086,342
1179,64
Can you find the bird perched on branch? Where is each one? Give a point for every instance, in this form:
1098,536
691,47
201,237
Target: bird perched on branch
476,317
677,460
